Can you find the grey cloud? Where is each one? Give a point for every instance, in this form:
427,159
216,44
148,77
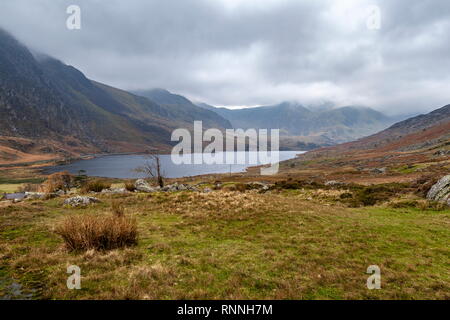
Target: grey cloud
259,52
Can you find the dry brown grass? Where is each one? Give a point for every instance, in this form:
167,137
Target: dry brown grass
130,186
57,181
85,232
118,208
28,187
95,186
234,245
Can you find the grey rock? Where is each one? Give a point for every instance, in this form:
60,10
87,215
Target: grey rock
333,183
440,191
142,186
34,195
79,201
115,191
379,170
441,153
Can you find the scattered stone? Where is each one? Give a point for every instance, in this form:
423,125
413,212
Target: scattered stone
441,153
142,186
35,195
80,201
258,185
207,190
379,170
115,191
440,191
334,183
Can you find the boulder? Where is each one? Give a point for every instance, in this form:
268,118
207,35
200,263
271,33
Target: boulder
379,170
440,191
142,186
115,191
258,186
333,183
79,201
35,195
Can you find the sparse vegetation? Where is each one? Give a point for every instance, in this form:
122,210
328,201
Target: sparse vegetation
118,208
129,186
85,232
57,181
28,187
152,168
285,244
95,186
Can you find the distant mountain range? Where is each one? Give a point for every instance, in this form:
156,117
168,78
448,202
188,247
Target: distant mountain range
53,108
318,126
418,136
49,108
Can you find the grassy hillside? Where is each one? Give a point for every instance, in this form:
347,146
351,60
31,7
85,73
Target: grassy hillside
291,244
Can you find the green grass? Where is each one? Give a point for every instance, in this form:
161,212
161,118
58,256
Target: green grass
235,245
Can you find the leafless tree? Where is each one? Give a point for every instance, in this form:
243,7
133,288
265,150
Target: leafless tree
152,168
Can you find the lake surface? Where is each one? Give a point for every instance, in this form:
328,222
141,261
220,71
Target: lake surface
122,166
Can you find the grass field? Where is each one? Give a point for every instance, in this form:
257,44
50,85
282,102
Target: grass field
232,245
9,188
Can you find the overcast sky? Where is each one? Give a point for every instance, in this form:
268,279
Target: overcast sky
253,52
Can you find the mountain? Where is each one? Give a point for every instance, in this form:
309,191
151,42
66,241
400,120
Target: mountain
422,141
429,131
414,151
47,107
325,125
183,108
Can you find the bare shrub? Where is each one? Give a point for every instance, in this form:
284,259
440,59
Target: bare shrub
152,168
95,186
85,232
57,181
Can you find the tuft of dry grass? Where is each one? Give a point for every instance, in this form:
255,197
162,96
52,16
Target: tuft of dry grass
130,186
118,208
95,186
85,232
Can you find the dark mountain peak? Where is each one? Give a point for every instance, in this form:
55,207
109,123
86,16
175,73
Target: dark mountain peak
424,120
163,96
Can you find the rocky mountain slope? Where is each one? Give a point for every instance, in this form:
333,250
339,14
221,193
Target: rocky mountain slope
183,108
57,110
405,151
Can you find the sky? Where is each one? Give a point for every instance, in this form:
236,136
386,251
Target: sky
391,55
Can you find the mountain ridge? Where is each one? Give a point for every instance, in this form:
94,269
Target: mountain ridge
327,125
64,112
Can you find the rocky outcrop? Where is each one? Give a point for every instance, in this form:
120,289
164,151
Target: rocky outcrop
142,186
80,201
440,191
115,191
35,195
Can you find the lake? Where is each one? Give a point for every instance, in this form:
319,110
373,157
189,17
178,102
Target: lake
121,166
